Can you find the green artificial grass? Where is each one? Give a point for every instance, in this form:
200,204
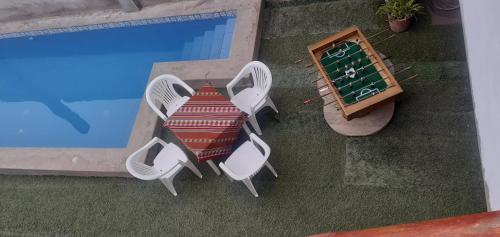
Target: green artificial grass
424,165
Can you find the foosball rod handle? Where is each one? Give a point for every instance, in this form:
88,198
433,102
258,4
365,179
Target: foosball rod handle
317,80
309,101
386,57
311,72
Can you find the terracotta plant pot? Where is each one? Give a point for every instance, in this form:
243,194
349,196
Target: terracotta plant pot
400,25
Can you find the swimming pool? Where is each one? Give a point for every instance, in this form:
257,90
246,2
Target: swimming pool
82,86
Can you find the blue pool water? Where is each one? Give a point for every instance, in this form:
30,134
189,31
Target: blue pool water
83,89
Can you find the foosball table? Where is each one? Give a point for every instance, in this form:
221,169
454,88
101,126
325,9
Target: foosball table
353,73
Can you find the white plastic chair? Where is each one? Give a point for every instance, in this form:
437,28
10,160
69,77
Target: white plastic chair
169,161
246,161
161,91
252,100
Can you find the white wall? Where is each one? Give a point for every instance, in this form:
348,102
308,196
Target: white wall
481,22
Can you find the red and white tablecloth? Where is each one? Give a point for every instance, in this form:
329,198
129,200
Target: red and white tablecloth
208,124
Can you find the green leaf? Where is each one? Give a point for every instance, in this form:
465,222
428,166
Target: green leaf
400,9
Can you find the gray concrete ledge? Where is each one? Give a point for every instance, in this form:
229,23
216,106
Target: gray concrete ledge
111,162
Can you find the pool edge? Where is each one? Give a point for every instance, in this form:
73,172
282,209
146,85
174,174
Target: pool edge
111,162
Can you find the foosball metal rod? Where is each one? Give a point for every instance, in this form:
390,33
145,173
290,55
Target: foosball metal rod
359,41
386,57
408,78
361,68
349,55
332,102
352,63
310,72
315,98
354,92
393,85
343,56
378,33
309,101
329,93
402,70
332,84
325,86
360,79
317,80
321,87
332,46
367,56
384,39
361,50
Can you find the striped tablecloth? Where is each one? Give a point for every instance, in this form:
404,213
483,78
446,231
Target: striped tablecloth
208,124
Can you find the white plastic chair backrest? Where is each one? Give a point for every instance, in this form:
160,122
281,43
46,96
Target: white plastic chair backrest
137,168
161,90
258,142
261,75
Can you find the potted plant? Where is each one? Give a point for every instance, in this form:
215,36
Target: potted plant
400,13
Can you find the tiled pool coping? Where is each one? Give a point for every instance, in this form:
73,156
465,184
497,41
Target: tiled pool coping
111,162
111,25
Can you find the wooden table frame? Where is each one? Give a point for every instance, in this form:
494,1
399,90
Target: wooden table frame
361,108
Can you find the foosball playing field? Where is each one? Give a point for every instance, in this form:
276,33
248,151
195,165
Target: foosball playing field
353,73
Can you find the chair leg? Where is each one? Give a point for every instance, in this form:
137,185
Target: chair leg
247,129
229,177
250,186
271,104
193,168
253,121
213,166
170,186
271,169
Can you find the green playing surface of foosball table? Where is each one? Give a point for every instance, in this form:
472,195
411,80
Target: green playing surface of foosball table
351,71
